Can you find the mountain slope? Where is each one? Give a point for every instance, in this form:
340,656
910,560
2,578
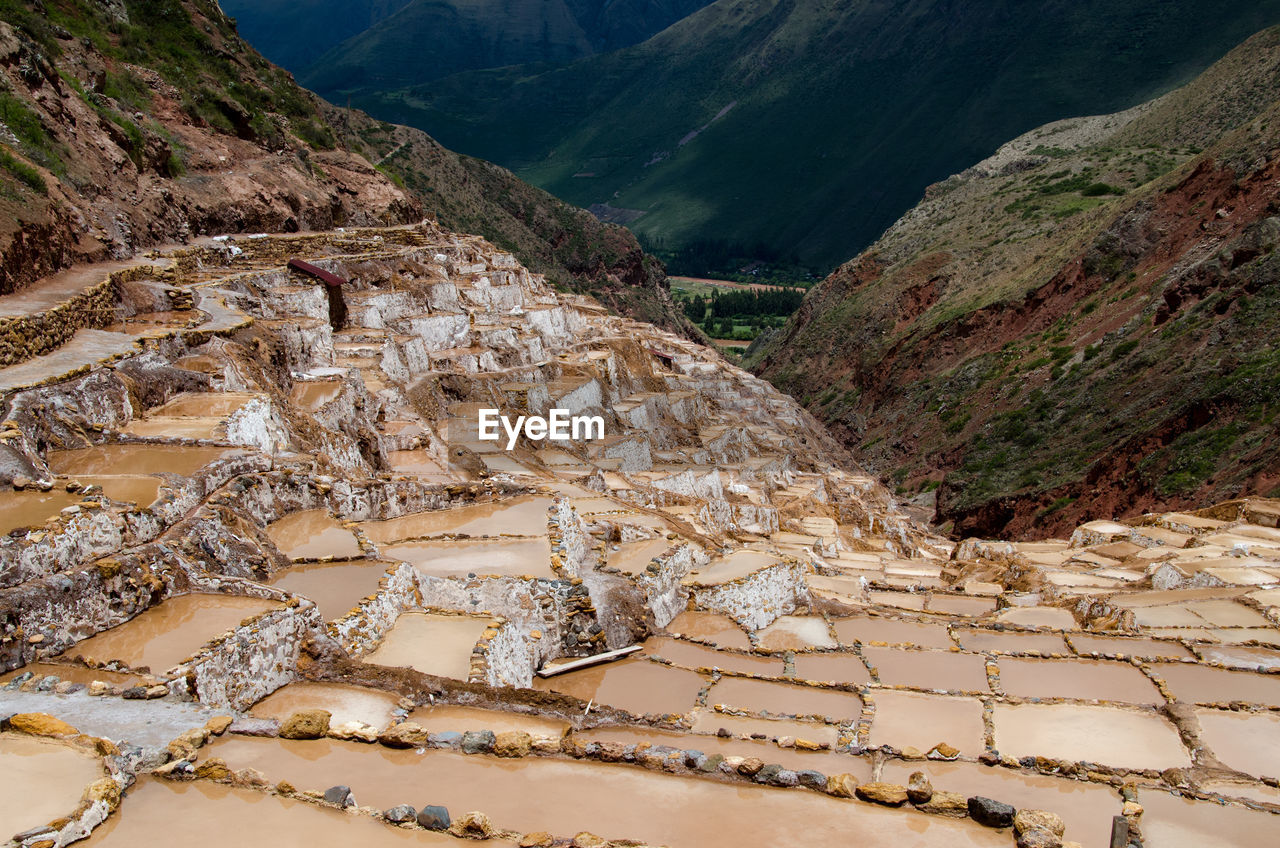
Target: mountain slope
294,33
116,136
807,125
1086,323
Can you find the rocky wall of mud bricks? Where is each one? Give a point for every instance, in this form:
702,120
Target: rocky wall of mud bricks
573,550
25,336
63,543
368,622
531,605
757,600
663,592
252,661
505,655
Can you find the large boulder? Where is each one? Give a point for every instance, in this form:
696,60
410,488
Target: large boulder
306,724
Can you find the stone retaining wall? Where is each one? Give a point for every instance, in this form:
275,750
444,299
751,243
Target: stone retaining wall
369,622
757,600
25,336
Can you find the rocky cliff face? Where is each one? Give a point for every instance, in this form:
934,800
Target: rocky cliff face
126,126
1082,324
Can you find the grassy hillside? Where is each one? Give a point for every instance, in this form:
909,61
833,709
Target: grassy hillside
807,125
149,121
1085,324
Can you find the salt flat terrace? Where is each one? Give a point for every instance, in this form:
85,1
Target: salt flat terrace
257,565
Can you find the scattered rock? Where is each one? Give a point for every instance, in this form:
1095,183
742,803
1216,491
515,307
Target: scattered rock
39,724
710,763
842,785
213,768
588,840
306,724
943,751
250,777
537,839
405,735
433,817
135,693
105,790
151,693
261,727
339,796
218,725
513,743
889,794
919,789
1025,820
354,731
809,745
989,812
99,688
751,766
951,804
812,779
478,742
1131,809
401,813
473,825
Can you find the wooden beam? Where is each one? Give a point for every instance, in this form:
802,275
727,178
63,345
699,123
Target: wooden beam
585,662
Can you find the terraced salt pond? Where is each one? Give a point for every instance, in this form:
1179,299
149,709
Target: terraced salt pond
785,699
635,685
796,632
313,534
613,801
512,557
432,644
335,588
1084,680
214,816
719,630
920,721
343,701
929,669
1109,735
522,516
182,460
459,719
170,632
40,780
32,509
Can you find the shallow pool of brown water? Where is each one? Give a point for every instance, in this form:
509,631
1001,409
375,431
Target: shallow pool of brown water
785,699
460,719
313,534
1133,646
1011,642
635,685
40,780
691,655
335,587
796,632
831,668
32,509
719,630
929,669
1202,685
892,632
1085,680
343,701
917,720
1244,741
454,558
183,460
522,516
1169,821
433,644
1112,736
170,632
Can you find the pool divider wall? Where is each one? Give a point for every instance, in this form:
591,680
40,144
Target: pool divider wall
760,598
664,592
368,623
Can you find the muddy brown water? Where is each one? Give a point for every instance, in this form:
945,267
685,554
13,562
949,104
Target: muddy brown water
1113,736
443,558
796,632
1169,821
892,632
205,404
177,428
1133,646
827,762
735,565
635,685
616,801
1244,741
695,656
1200,685
170,632
40,780
916,720
719,630
133,488
313,534
460,719
314,394
783,699
343,701
831,668
73,674
1011,642
1086,808
709,721
336,588
522,516
961,605
929,669
433,644
1085,680
1241,657
32,509
210,815
139,459
634,557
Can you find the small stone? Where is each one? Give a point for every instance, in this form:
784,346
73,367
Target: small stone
1038,838
404,735
588,840
218,725
919,789
354,731
478,741
158,691
750,767
40,724
433,817
99,688
989,812
512,743
780,777
1131,809
842,785
68,687
951,804
306,724
135,693
943,751
473,825
812,779
710,763
105,790
808,745
889,794
1025,820
213,768
537,839
401,813
260,727
174,769
339,796
250,777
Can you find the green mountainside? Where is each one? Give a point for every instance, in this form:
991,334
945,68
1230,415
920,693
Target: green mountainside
1085,324
800,129
129,124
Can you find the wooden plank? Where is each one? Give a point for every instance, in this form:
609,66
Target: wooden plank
585,662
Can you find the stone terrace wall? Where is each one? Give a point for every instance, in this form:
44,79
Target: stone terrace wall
759,599
25,336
